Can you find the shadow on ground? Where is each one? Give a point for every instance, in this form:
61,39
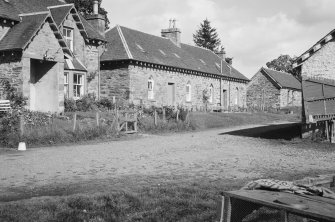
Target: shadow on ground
281,131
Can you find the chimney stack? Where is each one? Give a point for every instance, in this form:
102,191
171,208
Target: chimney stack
172,33
96,20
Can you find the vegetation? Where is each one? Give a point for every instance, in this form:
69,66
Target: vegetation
283,63
86,8
206,36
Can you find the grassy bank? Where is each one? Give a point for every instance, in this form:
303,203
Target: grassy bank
136,199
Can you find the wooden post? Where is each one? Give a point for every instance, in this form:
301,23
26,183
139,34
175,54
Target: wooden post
155,118
21,126
177,118
327,130
74,122
135,123
97,118
164,115
332,132
117,120
126,123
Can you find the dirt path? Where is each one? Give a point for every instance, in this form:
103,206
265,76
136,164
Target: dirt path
211,154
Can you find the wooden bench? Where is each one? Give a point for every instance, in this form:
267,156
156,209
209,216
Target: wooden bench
5,105
236,205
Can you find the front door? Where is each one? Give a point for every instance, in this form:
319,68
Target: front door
224,99
171,94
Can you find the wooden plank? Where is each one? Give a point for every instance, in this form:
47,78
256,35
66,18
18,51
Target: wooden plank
316,210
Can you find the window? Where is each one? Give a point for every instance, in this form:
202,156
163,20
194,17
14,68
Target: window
188,92
66,84
68,35
211,93
150,88
237,98
78,85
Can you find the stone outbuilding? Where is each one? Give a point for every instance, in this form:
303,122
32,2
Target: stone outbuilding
48,51
270,89
158,71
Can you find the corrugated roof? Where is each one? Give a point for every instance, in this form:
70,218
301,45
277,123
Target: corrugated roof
19,36
153,49
283,79
8,11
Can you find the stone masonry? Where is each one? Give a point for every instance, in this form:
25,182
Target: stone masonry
263,94
130,82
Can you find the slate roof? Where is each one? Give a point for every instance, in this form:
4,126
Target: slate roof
125,43
16,7
77,65
19,36
8,11
59,13
283,79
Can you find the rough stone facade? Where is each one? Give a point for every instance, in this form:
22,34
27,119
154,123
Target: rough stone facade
18,69
130,82
321,63
262,94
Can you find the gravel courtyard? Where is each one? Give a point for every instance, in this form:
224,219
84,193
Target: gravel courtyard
215,154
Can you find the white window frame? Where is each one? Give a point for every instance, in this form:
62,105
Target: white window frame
211,93
188,92
151,84
66,84
68,36
78,86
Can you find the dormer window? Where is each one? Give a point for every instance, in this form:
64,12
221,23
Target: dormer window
68,36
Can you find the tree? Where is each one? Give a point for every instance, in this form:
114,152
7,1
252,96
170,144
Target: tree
283,63
206,36
85,7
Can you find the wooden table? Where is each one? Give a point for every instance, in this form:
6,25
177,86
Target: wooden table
236,205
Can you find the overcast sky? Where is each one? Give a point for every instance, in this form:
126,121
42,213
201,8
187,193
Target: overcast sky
252,31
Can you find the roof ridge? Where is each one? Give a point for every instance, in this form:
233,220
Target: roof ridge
58,6
34,13
124,42
277,71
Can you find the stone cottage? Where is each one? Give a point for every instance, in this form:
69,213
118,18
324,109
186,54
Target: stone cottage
152,70
270,89
48,51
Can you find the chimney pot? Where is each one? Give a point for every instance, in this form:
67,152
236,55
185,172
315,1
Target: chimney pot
221,53
172,33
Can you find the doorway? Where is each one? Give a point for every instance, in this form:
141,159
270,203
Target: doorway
224,99
171,94
43,86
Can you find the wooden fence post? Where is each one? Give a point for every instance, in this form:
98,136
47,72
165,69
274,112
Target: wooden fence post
126,123
164,115
135,123
155,117
74,122
97,118
21,126
177,118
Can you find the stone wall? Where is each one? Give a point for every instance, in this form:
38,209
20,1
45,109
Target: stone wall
290,98
261,93
321,63
130,82
11,68
92,62
115,81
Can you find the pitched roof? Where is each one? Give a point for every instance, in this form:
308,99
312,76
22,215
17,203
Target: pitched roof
282,79
316,47
58,9
74,64
19,36
59,13
8,11
125,43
